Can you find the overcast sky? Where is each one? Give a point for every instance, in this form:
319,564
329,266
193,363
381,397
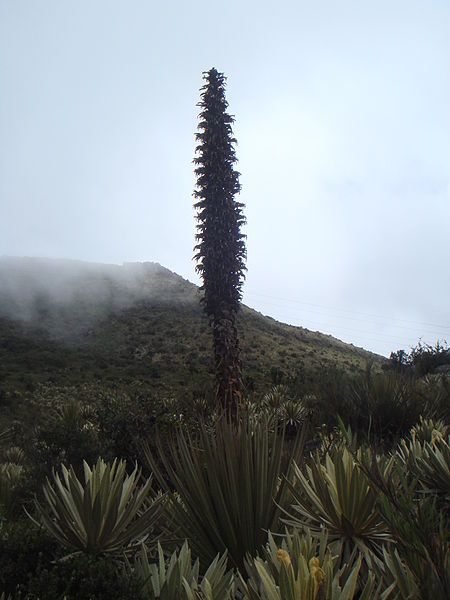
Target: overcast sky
343,122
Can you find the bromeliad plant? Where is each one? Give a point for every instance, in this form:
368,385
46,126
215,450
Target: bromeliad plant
428,462
12,476
305,568
434,469
228,485
284,408
429,430
178,578
418,565
104,514
338,496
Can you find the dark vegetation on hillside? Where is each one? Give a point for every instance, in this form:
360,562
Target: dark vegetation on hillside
422,359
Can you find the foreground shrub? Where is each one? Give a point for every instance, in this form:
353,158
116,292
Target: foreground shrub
64,433
403,584
11,478
387,404
24,548
305,568
179,579
106,513
337,495
122,419
428,462
419,564
284,407
80,577
434,469
429,430
229,486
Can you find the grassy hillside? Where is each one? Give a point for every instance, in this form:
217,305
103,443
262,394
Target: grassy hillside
71,323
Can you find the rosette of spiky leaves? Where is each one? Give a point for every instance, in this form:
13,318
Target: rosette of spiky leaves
337,495
418,566
420,531
178,577
293,414
229,484
429,463
434,468
279,404
305,567
429,430
407,453
220,251
276,396
14,455
104,514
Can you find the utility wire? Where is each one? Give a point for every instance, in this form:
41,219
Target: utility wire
335,308
365,333
392,324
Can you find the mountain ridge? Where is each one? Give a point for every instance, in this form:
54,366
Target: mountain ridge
68,321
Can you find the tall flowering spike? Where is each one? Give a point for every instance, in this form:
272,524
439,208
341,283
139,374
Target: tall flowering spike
220,251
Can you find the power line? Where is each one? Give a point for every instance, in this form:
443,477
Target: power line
419,329
379,338
386,318
338,329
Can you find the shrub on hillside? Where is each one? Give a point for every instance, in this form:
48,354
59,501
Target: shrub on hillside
24,549
81,577
422,359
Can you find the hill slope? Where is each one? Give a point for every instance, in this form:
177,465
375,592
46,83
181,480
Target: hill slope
71,323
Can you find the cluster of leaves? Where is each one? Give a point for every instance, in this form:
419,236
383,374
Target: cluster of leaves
179,577
227,485
305,567
103,514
